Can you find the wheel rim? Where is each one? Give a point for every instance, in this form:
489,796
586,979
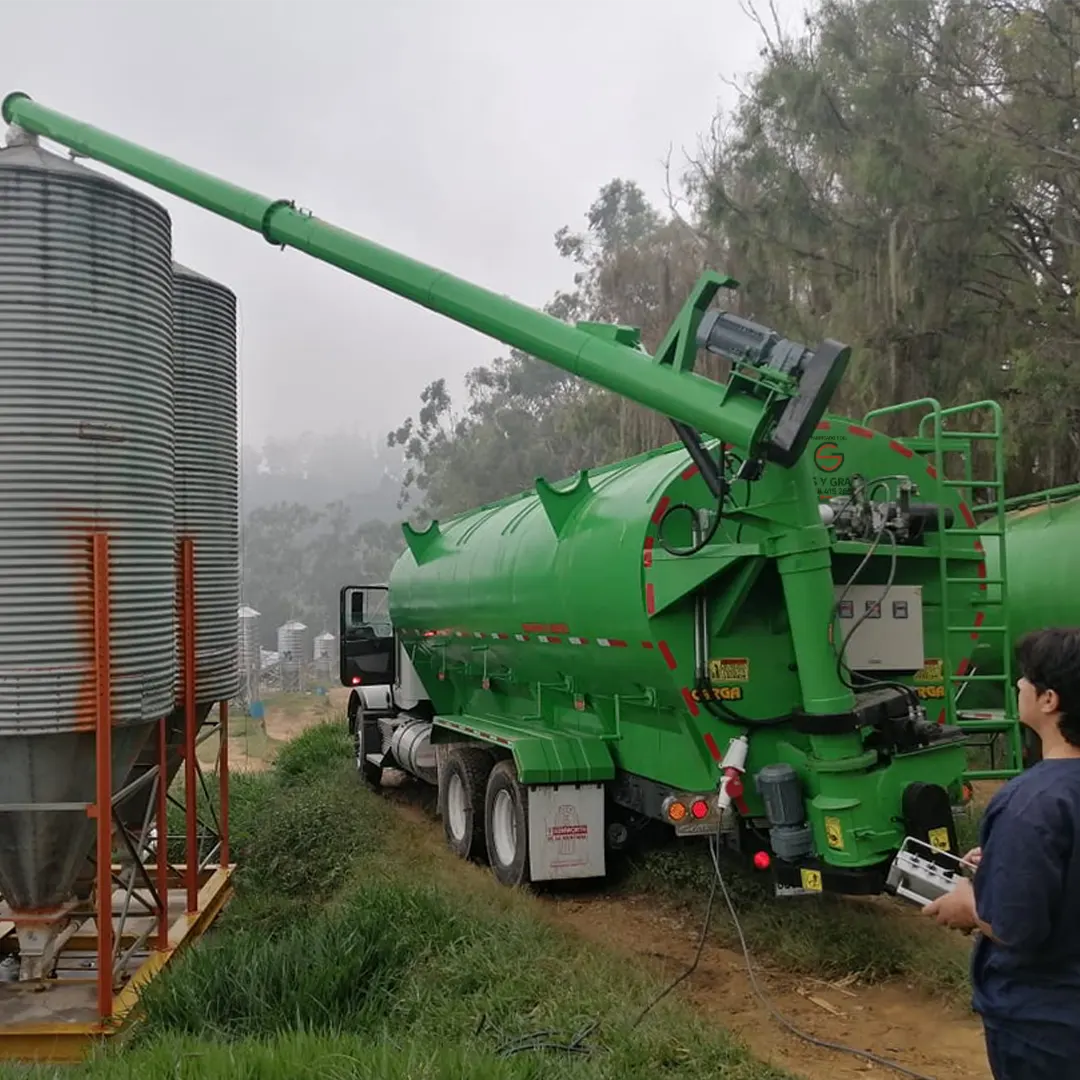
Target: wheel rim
455,806
504,828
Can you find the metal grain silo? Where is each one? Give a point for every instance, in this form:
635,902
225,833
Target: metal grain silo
290,643
247,635
207,471
207,484
86,427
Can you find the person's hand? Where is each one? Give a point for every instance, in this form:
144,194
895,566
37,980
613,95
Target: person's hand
955,909
973,857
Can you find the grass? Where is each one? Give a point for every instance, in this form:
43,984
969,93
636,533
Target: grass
345,956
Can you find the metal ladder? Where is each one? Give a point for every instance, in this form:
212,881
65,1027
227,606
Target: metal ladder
934,439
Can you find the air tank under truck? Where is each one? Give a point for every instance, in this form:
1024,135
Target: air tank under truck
693,636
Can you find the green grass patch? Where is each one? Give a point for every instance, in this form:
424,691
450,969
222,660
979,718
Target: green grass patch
347,955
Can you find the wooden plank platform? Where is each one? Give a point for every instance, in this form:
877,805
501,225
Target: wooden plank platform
60,1023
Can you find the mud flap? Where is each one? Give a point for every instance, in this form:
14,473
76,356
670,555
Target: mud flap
566,831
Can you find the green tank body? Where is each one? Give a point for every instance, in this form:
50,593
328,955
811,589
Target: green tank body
1043,548
560,610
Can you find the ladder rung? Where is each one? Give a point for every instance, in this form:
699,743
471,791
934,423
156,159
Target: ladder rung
977,629
949,677
992,774
974,581
971,532
995,484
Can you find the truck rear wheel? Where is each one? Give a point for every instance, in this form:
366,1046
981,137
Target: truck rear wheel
506,823
461,800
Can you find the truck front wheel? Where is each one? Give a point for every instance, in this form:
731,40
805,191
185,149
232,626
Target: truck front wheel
506,822
367,739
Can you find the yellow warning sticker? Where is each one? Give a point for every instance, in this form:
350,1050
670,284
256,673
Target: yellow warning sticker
811,880
729,669
939,838
931,671
834,833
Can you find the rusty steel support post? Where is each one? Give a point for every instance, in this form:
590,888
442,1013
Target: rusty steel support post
163,835
187,645
223,781
103,743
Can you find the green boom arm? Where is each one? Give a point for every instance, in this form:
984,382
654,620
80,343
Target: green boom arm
770,404
599,355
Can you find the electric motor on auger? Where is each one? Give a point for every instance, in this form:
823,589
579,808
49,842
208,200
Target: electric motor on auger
691,636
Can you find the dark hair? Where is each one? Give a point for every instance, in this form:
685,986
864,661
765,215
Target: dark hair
1050,660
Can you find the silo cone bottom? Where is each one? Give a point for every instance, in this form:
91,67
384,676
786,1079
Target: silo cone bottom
41,940
44,853
132,811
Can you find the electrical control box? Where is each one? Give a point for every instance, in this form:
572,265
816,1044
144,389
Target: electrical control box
880,631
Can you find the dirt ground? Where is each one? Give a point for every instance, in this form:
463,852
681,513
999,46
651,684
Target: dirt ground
253,744
892,1020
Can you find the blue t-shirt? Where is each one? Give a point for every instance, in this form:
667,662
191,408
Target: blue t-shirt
1027,888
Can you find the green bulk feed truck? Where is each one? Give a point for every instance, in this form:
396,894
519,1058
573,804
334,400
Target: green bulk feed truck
718,635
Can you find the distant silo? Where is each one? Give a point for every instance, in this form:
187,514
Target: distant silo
247,635
86,445
291,658
324,654
324,648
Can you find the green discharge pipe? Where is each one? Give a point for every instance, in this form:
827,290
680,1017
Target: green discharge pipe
739,418
620,368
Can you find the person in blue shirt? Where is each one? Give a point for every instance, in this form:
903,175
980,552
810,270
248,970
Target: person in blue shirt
1024,898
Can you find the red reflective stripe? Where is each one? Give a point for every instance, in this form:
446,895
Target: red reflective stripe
560,628
666,653
649,541
710,742
980,618
646,644
823,425
691,704
661,509
864,433
969,517
900,448
650,599
931,472
690,472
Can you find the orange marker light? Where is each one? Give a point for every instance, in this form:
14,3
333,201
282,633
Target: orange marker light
676,811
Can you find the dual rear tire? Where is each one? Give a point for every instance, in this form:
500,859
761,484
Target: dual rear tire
485,812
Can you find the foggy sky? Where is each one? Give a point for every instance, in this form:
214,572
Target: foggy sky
461,132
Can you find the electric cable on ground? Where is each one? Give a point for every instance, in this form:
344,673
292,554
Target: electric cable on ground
825,1044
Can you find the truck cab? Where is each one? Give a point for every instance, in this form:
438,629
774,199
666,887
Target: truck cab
386,691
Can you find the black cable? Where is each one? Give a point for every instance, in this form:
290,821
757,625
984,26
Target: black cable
691,969
813,1040
694,548
841,667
